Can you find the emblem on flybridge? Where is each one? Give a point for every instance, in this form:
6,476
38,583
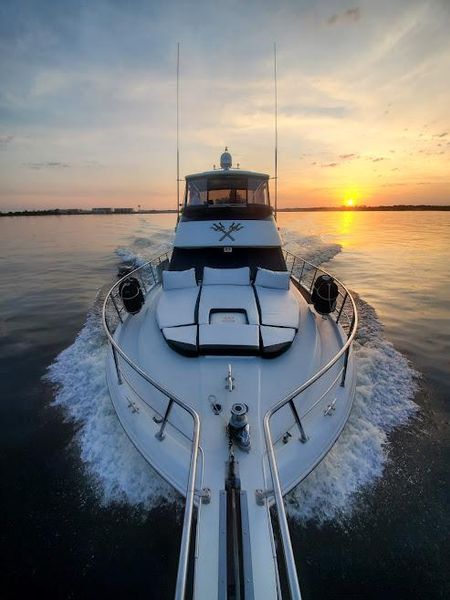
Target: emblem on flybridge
227,231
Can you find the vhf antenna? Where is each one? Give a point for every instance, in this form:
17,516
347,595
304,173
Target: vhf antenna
276,124
178,132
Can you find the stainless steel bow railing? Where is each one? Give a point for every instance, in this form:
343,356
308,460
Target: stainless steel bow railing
304,274
149,275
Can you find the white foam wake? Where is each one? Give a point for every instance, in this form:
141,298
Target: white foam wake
310,247
385,388
119,472
143,249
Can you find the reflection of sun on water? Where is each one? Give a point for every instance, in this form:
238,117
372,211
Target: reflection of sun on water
345,226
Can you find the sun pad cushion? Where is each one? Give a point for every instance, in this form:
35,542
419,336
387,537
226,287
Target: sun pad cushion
272,279
279,308
276,339
177,307
233,337
173,280
226,276
183,339
238,297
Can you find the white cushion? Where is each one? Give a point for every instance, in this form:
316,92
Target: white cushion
229,336
272,279
174,280
279,308
183,335
177,307
238,297
275,336
226,276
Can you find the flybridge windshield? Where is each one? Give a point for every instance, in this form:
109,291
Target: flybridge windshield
226,190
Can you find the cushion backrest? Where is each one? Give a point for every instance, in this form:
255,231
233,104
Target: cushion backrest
226,276
173,280
272,279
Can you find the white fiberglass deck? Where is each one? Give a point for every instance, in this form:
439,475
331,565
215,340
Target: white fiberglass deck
260,383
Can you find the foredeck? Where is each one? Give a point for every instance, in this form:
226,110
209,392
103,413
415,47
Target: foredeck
305,409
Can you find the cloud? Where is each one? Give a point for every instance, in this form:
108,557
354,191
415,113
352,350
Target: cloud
5,140
47,165
98,84
377,159
351,15
315,110
440,135
92,164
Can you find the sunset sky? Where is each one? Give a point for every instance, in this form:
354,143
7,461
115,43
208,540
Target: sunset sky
87,99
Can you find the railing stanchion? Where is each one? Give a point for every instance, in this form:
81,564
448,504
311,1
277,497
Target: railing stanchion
344,372
116,363
142,282
160,435
303,436
347,352
342,307
313,279
293,264
116,307
153,274
301,272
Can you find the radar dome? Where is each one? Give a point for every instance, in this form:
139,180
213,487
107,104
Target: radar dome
225,160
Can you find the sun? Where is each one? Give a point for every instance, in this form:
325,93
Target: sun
350,202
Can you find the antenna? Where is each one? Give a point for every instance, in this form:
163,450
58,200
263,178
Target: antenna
178,132
276,123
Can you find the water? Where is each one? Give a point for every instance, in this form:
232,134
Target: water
83,515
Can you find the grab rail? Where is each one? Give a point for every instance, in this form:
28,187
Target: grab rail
180,589
294,587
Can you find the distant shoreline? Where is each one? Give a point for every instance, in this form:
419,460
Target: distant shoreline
394,207
390,208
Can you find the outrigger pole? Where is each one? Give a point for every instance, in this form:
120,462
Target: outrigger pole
178,132
276,123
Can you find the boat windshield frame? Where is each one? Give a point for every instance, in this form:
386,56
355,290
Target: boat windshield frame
225,189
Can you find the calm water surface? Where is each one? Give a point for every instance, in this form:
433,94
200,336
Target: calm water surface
60,538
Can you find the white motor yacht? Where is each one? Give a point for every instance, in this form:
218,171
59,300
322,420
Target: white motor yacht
231,371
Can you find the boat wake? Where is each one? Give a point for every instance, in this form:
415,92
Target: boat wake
386,385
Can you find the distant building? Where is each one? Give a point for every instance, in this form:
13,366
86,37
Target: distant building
124,211
71,211
102,211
